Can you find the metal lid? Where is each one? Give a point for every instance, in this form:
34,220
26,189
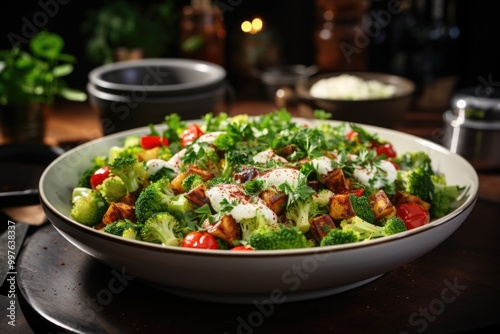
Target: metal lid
475,104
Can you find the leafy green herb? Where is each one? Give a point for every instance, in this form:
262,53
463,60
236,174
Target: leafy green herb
297,193
254,187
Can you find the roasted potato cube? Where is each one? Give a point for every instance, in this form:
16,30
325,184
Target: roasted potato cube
176,183
341,207
320,226
205,174
335,181
197,195
149,154
117,211
382,206
275,200
227,229
401,197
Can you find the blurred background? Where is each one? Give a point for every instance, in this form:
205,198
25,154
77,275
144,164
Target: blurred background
440,44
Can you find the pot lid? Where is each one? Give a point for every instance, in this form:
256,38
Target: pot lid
475,104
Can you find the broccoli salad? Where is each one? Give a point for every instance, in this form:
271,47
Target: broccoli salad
259,183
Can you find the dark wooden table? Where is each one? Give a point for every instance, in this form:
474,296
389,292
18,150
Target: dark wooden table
455,288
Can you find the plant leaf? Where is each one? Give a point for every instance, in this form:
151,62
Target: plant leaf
62,70
47,45
73,94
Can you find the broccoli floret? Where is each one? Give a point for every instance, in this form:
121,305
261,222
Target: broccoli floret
362,207
366,230
416,182
222,244
393,225
323,197
191,181
159,197
97,162
280,237
124,152
161,229
131,171
88,206
123,228
233,160
165,153
339,236
130,149
301,211
412,160
112,189
442,196
250,225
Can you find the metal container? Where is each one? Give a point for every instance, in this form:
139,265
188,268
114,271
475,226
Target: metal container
472,129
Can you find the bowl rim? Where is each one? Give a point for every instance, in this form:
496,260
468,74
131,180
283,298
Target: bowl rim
304,84
217,75
70,223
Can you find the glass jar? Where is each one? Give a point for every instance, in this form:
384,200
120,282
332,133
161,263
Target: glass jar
338,34
203,32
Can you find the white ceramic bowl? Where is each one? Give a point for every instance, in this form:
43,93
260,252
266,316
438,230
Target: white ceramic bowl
242,277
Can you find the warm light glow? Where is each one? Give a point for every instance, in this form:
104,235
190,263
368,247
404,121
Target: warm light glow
246,26
257,24
252,27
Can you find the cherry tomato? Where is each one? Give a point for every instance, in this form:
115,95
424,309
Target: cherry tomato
148,142
99,176
242,248
387,150
190,134
413,215
352,135
394,164
202,240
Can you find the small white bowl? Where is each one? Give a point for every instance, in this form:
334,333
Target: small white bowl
242,277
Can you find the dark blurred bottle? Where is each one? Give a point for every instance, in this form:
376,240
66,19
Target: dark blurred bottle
203,32
338,36
424,39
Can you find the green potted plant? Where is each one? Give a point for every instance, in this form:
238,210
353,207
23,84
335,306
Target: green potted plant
121,28
29,84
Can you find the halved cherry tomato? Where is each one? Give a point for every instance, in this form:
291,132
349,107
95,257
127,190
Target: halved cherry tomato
99,176
387,150
190,134
148,142
202,240
352,135
242,248
413,215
